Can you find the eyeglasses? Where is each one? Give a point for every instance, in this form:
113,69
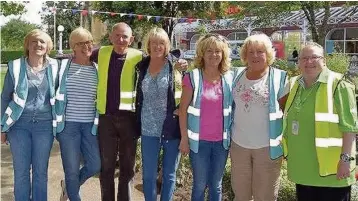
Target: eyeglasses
217,36
86,43
313,58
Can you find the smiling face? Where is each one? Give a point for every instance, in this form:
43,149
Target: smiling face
83,48
213,56
121,37
311,62
37,46
157,47
256,56
81,42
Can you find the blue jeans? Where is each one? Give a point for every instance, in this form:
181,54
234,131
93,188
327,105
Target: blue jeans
208,170
30,144
76,139
150,155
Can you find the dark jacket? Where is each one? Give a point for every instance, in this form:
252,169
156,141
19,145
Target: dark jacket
171,123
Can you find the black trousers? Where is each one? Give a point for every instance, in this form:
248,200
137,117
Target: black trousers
117,137
313,193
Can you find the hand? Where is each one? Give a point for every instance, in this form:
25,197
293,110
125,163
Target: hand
176,112
4,139
343,170
184,146
181,65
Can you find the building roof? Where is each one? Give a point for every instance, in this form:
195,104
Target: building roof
344,15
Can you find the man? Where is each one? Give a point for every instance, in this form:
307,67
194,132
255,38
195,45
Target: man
117,129
320,129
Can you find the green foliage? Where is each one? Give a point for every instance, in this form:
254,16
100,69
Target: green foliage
7,56
13,34
12,8
194,9
338,62
65,18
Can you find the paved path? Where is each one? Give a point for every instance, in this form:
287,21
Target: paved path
90,191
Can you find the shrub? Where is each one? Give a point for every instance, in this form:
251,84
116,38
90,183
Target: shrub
7,56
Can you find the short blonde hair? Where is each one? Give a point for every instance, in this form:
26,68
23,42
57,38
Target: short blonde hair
217,41
80,34
259,39
43,35
157,33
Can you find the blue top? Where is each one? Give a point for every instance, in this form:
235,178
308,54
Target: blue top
155,95
81,88
37,106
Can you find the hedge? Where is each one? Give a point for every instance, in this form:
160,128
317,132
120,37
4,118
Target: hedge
7,56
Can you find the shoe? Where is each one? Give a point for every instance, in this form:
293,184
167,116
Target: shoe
64,196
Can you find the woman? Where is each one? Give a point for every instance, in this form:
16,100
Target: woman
158,96
258,93
28,115
76,115
321,126
205,115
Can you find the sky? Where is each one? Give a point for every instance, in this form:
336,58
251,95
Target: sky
32,15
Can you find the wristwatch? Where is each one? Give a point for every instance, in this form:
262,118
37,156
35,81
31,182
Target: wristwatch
346,157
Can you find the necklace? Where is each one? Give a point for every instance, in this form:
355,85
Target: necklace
301,100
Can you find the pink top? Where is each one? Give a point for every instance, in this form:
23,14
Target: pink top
211,110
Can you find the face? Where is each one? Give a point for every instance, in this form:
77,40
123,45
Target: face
311,62
157,47
121,37
83,48
213,56
256,56
37,46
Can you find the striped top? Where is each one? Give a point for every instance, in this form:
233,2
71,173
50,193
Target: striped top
81,87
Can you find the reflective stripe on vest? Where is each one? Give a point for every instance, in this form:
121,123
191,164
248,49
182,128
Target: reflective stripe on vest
194,108
328,137
277,80
17,70
127,82
61,96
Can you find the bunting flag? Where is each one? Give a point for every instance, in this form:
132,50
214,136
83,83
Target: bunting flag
84,12
189,20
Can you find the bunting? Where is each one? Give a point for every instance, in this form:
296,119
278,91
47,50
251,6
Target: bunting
133,15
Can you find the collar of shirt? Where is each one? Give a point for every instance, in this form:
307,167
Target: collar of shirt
42,71
322,78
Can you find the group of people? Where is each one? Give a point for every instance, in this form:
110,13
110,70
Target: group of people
254,113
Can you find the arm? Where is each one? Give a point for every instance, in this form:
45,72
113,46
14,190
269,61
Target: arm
6,97
7,91
345,102
186,97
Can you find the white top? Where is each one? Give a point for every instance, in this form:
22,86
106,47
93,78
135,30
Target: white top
250,128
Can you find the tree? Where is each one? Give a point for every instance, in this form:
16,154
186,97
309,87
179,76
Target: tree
12,8
67,18
267,12
187,9
13,34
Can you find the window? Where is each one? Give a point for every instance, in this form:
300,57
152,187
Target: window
193,41
237,36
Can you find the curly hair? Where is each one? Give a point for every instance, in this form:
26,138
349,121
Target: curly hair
259,39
